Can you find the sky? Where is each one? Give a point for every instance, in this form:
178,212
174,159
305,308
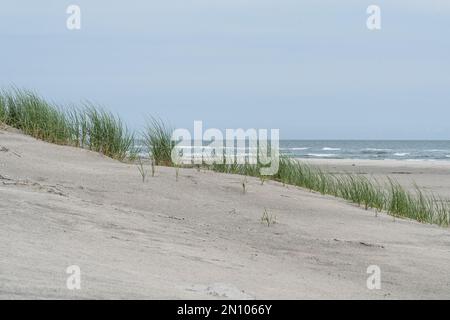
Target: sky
309,68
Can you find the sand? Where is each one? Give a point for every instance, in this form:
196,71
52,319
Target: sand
200,237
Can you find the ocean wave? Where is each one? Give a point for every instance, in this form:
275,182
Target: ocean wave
401,154
294,149
375,151
331,149
217,148
321,155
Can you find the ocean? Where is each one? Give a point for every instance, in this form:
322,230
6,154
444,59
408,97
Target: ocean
367,149
360,149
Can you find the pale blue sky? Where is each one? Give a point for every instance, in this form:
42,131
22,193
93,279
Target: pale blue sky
310,68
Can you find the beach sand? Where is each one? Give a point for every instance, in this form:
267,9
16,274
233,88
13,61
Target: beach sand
200,236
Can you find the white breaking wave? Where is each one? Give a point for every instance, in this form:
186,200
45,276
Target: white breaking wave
299,148
331,149
401,154
321,155
375,149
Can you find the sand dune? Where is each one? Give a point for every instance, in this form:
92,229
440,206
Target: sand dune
198,237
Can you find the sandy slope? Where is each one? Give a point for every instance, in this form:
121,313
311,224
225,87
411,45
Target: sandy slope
200,237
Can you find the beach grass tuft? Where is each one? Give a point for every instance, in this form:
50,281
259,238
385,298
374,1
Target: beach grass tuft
157,139
33,115
2,109
107,133
141,169
88,126
267,218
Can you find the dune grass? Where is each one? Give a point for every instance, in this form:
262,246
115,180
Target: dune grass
141,169
268,219
2,109
106,133
157,139
88,126
35,116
